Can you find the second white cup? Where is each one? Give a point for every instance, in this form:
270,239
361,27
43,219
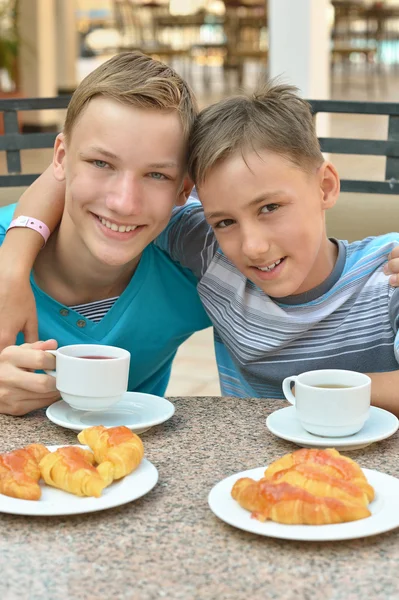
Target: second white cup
330,402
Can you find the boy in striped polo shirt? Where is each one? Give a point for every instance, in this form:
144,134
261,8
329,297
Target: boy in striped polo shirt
282,296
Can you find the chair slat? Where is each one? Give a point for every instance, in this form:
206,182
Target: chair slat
362,147
392,164
26,141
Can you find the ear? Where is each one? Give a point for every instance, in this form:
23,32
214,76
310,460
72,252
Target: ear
59,157
329,185
185,191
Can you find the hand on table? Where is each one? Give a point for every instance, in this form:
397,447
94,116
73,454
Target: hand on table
21,389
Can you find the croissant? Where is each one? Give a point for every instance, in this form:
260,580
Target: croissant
117,445
312,478
329,461
71,469
20,473
284,503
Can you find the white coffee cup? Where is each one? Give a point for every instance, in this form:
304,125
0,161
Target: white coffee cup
330,402
91,377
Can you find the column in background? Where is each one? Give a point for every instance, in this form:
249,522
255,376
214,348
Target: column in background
299,48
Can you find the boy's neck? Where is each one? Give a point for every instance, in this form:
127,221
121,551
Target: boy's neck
67,272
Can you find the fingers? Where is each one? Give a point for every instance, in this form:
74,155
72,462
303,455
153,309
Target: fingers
21,389
394,253
47,345
6,339
12,378
392,267
25,357
21,405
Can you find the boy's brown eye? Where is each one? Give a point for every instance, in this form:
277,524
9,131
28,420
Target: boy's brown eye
223,224
269,208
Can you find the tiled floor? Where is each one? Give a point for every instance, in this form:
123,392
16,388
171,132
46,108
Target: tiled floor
194,371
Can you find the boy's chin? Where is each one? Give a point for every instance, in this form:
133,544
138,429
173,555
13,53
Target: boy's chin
116,259
277,290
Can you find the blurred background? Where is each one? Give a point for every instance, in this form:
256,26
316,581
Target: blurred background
347,50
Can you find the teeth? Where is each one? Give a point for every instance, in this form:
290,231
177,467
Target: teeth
115,227
270,267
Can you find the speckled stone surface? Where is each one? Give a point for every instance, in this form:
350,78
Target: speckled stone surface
169,544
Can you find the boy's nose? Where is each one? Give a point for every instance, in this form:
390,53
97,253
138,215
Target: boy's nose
125,198
255,246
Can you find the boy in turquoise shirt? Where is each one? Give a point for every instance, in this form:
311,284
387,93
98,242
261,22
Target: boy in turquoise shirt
121,157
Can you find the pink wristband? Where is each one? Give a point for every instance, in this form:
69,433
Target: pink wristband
31,223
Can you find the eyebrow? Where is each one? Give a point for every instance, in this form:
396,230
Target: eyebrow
254,202
100,151
163,165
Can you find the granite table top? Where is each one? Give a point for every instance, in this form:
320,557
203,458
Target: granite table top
168,544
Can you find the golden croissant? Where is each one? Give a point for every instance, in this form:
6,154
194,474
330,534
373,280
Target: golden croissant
20,472
117,445
312,478
71,469
329,461
284,503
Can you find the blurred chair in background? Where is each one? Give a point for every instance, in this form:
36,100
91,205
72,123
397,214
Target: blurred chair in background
355,41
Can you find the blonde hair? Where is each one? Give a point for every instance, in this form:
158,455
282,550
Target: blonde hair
274,118
134,79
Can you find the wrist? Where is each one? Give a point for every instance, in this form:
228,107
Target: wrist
32,223
14,262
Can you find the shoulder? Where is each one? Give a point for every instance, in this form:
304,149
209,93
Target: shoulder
371,249
6,214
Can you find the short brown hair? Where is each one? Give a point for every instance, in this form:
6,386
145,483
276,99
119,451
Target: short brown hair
135,79
274,118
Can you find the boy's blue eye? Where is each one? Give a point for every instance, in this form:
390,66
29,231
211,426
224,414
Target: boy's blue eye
101,164
158,176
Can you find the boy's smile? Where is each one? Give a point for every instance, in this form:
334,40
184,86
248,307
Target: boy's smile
269,219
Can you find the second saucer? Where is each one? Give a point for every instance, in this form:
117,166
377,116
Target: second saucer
284,424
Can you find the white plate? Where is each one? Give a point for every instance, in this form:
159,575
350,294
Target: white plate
284,424
57,502
136,411
384,512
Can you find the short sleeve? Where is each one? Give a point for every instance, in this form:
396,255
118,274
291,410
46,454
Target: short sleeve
188,239
6,215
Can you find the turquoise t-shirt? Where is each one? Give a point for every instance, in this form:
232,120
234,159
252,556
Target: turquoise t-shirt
158,310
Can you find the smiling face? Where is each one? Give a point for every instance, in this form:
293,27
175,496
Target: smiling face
269,218
124,171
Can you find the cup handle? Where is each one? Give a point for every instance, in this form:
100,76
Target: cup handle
54,353
287,388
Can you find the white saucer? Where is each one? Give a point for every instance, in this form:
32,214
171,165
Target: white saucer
136,411
384,512
57,502
284,424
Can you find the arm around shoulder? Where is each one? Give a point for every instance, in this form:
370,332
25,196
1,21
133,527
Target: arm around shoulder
44,201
